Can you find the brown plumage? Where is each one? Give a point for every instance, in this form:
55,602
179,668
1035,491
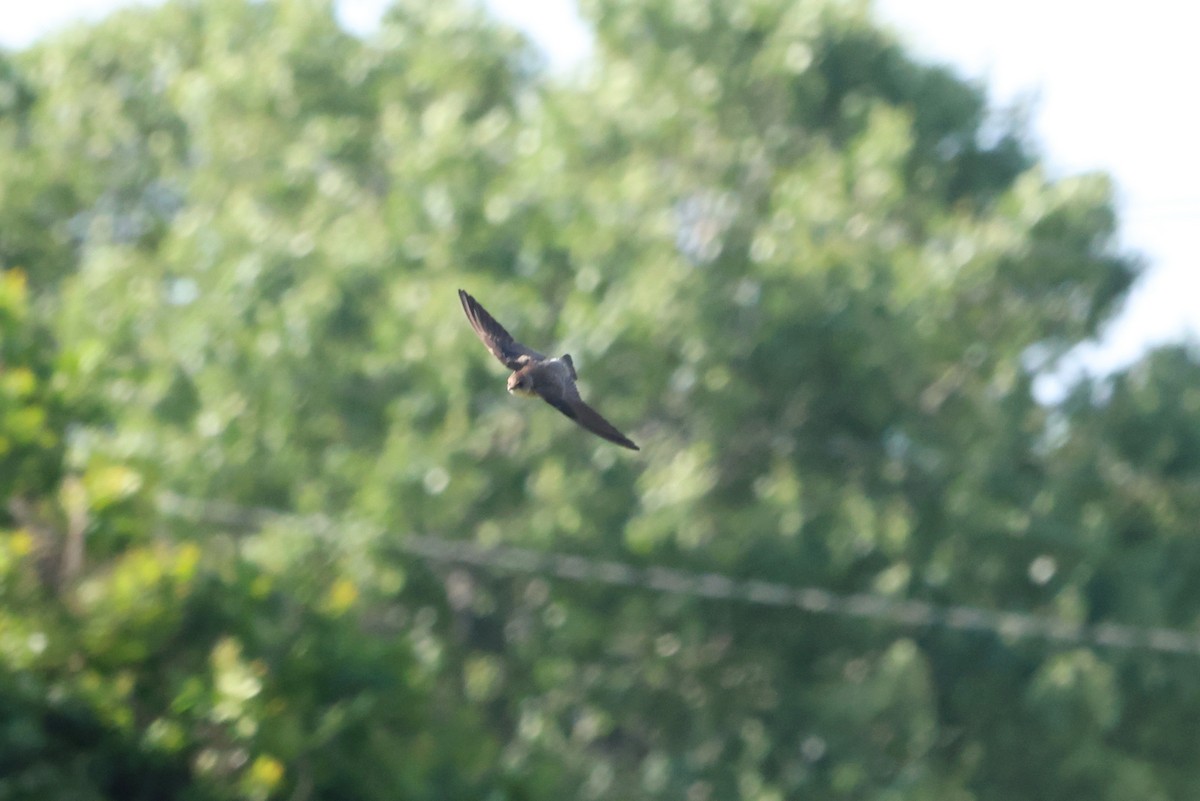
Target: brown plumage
536,376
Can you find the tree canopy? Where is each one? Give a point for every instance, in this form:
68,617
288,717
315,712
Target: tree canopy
813,276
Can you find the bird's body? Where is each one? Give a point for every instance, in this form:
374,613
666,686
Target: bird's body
555,376
538,376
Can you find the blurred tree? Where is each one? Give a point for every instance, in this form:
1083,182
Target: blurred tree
194,663
816,279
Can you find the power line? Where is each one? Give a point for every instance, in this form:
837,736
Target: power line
718,586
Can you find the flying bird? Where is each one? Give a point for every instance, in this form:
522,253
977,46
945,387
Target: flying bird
536,376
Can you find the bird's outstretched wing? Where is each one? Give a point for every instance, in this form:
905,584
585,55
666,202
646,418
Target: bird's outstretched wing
570,404
492,334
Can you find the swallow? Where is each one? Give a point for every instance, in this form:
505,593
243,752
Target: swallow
537,376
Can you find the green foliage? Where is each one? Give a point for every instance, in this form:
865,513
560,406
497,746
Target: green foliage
813,277
29,441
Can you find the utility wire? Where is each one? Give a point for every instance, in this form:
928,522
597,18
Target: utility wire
717,586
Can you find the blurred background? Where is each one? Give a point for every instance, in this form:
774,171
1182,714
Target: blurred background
916,511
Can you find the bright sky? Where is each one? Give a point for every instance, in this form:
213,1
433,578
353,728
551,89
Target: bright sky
1114,85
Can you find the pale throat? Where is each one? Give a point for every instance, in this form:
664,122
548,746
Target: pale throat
524,392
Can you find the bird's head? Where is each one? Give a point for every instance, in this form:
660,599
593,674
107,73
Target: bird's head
521,384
